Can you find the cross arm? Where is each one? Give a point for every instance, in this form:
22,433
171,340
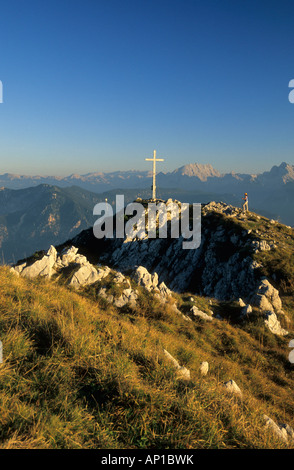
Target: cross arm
152,159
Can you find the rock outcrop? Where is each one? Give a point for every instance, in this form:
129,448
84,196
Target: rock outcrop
273,324
88,274
204,367
128,296
221,267
282,431
267,297
181,372
268,301
84,274
196,312
42,267
232,387
51,263
143,278
150,282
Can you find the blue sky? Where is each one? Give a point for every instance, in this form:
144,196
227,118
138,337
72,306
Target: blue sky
96,85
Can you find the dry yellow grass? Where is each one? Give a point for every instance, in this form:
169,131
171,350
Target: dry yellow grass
78,373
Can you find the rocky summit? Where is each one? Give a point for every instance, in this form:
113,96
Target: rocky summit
226,266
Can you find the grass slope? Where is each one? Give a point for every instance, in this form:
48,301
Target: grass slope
78,373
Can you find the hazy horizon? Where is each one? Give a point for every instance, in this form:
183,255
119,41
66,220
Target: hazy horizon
147,170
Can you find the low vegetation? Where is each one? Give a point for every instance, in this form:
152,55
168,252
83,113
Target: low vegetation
79,373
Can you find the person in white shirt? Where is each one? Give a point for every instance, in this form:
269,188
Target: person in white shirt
245,204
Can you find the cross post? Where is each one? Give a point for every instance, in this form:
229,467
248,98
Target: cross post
154,160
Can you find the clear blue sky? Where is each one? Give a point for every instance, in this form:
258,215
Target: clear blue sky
96,85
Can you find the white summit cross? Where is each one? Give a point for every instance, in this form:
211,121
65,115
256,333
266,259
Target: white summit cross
154,160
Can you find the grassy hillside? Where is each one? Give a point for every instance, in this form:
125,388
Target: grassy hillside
79,373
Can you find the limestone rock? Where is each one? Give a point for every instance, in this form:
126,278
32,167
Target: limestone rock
204,366
12,270
120,302
226,279
232,387
128,296
102,292
145,279
81,260
246,310
283,431
224,272
289,430
120,278
271,293
18,269
68,255
164,290
198,313
181,372
267,299
274,325
42,267
261,245
261,302
85,275
150,283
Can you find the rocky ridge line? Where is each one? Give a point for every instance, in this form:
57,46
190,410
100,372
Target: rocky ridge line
265,298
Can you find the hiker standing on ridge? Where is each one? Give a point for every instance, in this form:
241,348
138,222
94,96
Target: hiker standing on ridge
245,204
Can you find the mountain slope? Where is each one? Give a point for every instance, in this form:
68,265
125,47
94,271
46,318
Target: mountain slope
97,358
71,377
33,218
200,171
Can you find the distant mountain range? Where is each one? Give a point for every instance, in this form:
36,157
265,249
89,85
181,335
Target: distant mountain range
191,177
34,217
